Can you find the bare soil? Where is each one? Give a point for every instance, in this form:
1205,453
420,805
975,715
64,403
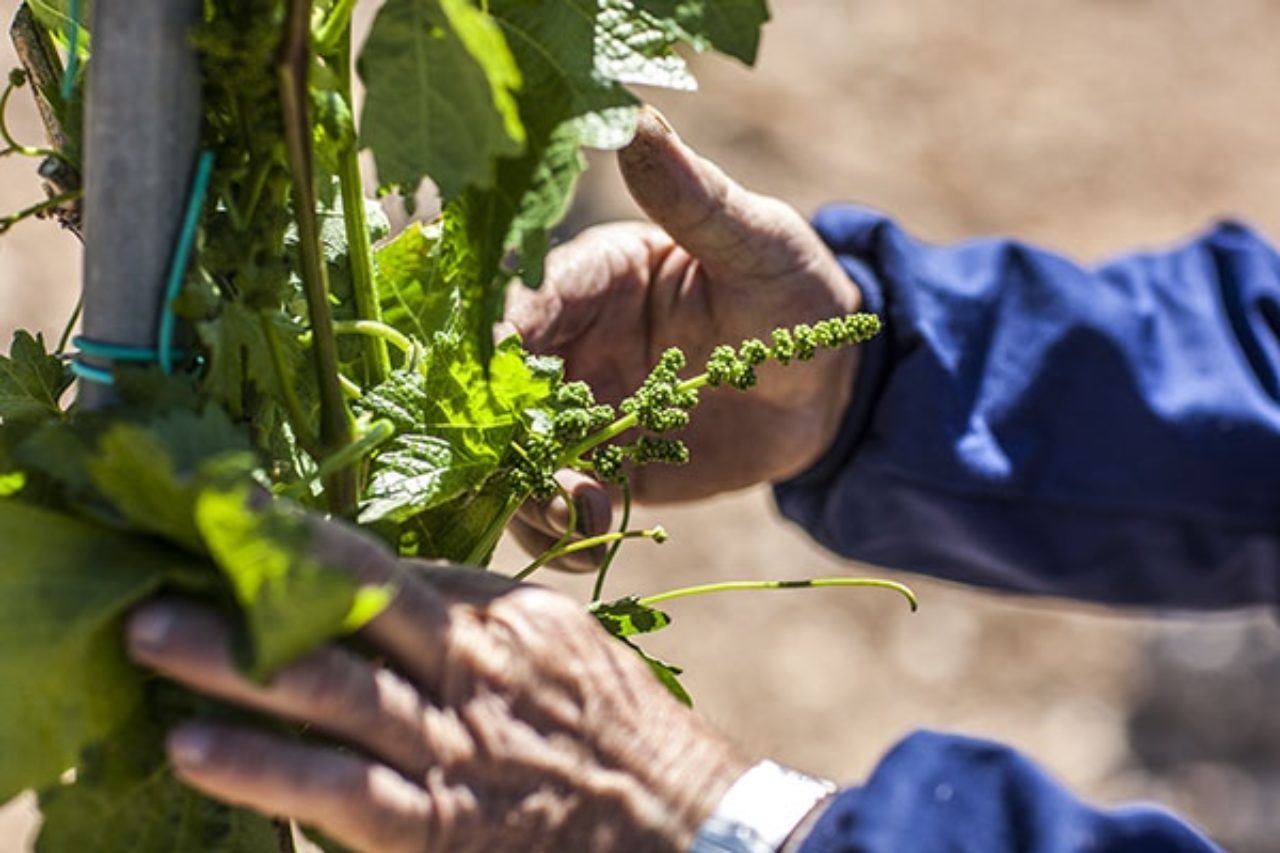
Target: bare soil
1092,126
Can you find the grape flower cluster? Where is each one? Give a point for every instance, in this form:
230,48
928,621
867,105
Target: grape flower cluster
801,343
662,404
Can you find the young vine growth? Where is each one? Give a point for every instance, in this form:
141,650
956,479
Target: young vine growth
330,366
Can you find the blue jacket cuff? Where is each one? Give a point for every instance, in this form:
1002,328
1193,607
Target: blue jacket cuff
938,793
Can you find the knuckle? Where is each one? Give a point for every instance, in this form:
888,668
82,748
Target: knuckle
394,812
451,741
534,616
545,604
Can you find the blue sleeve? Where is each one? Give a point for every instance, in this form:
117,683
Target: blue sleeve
1024,423
944,794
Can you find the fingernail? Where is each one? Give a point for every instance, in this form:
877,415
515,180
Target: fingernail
190,746
150,628
662,120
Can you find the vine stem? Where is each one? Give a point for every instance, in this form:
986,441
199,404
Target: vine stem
485,544
36,209
569,531
336,27
657,534
335,420
16,147
359,250
288,394
379,433
598,591
375,329
70,328
747,586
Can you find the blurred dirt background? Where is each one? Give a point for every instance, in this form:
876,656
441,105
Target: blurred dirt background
1092,126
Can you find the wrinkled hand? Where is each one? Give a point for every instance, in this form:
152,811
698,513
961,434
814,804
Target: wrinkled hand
720,265
506,719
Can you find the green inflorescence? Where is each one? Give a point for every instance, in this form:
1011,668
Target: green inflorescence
589,436
579,414
660,404
737,368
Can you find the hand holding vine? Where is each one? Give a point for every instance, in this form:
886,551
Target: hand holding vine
505,719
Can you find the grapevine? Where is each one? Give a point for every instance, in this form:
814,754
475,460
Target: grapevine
306,360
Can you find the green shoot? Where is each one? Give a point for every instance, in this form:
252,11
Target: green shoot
750,586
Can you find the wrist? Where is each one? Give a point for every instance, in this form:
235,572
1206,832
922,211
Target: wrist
659,793
693,792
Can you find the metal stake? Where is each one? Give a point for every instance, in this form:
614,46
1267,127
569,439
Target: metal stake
142,129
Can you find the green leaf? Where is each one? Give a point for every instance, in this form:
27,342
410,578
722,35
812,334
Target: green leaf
333,238
455,426
31,380
153,474
729,26
550,192
240,356
554,42
12,483
133,469
627,617
635,46
440,81
421,472
667,673
451,437
521,382
404,268
56,17
575,56
149,389
291,602
60,450
64,587
460,531
126,797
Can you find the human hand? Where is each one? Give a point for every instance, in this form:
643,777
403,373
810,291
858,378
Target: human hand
719,265
505,719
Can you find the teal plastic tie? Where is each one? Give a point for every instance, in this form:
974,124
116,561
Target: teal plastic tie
114,352
163,353
73,55
92,374
117,353
182,259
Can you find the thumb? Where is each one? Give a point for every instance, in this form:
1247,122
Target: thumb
708,213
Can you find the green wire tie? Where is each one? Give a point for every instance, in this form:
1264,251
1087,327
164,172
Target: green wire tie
163,353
